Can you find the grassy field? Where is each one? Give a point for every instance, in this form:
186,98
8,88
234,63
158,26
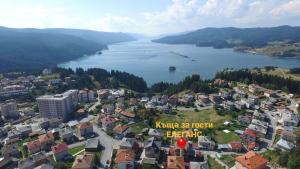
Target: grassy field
75,150
212,163
137,128
223,138
228,160
271,155
209,115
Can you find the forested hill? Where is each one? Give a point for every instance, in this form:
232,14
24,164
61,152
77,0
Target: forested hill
34,49
232,37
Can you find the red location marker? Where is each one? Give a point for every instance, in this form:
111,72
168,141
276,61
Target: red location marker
181,143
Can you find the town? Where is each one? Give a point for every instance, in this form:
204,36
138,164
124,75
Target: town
85,128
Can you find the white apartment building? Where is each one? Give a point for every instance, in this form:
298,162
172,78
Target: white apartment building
59,105
9,109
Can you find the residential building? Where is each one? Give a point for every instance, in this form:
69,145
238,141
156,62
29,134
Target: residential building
11,150
13,90
34,146
129,143
244,120
60,151
175,162
46,140
107,123
289,136
85,129
59,105
66,134
84,161
9,109
121,131
285,145
236,146
151,151
248,136
205,142
251,160
290,119
125,159
156,133
93,145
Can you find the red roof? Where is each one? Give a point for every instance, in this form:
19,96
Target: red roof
127,114
249,133
120,129
236,145
252,145
252,160
33,145
125,155
59,148
108,120
45,138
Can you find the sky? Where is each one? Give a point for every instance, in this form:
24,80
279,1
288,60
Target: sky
151,17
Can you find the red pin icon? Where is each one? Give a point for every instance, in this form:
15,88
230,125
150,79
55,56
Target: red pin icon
181,143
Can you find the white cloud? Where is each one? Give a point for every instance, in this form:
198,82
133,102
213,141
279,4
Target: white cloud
180,15
289,8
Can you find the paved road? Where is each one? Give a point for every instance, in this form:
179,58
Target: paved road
108,143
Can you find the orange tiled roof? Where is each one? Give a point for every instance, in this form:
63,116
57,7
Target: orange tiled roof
125,155
46,137
33,144
120,128
127,114
252,160
176,162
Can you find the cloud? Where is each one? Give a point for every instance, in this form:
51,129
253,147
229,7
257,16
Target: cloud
184,15
179,16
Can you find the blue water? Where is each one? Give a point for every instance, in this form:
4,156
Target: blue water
152,60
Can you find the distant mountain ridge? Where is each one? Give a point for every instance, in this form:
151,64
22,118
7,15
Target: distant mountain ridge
232,37
33,49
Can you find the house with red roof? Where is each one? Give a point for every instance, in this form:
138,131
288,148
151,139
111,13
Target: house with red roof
46,140
121,131
60,151
236,146
175,162
127,116
251,160
34,146
248,136
107,123
125,159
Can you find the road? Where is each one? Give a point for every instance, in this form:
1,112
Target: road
108,143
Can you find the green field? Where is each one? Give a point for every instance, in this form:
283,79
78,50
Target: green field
209,115
75,150
229,160
137,128
223,138
212,163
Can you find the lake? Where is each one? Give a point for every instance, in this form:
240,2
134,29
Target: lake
152,60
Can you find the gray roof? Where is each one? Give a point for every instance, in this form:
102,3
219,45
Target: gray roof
285,144
128,142
92,143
